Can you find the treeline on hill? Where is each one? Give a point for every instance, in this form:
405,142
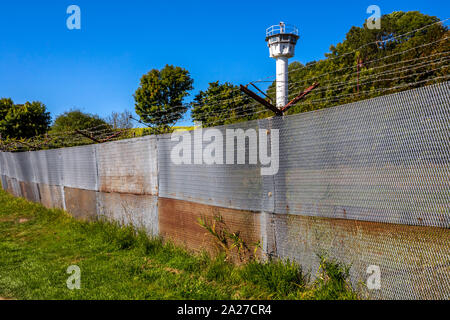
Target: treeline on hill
410,50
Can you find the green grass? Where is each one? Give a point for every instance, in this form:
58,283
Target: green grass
37,245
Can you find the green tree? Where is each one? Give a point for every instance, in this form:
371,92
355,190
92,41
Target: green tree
222,104
23,120
77,120
5,105
159,99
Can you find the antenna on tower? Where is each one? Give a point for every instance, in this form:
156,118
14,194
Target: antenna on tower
281,40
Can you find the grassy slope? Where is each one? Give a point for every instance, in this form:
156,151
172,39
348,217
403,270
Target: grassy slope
37,245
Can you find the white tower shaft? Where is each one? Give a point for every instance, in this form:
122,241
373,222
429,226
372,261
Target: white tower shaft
282,81
281,40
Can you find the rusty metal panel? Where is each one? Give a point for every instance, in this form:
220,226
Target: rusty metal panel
178,221
5,164
141,211
413,260
30,191
51,196
385,159
82,204
80,167
235,185
13,187
128,166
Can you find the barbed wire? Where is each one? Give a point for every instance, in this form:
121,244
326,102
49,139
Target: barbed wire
373,77
371,61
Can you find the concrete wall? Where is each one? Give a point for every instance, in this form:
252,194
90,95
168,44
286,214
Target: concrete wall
365,183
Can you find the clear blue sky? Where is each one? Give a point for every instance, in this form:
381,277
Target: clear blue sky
97,68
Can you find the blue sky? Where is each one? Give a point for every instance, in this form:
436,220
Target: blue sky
97,68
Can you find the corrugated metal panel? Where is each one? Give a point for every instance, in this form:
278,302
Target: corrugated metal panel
80,167
4,182
80,203
128,166
2,163
48,167
227,185
13,187
24,168
141,211
385,159
10,165
30,191
51,196
178,221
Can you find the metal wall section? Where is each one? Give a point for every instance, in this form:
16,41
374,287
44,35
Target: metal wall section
24,167
82,204
236,186
10,165
80,167
385,159
4,181
414,260
2,164
48,167
178,221
51,196
30,191
13,187
128,166
141,211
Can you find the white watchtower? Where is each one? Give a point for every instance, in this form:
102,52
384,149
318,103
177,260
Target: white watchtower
281,40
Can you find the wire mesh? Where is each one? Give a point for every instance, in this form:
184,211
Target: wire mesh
385,159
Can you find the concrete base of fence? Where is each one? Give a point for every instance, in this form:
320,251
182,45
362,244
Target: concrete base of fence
408,271
141,211
178,221
51,196
82,204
